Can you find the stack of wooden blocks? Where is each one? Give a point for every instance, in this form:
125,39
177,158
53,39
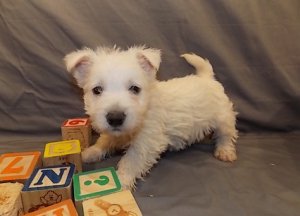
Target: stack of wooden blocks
51,184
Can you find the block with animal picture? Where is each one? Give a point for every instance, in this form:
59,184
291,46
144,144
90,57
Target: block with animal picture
79,129
17,167
63,152
10,199
47,186
93,184
64,208
116,204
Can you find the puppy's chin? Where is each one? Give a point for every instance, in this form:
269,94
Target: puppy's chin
115,131
121,131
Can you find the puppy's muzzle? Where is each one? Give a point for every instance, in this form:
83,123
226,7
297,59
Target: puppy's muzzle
115,118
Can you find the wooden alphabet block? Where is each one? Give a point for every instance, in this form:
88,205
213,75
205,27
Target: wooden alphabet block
10,199
116,204
47,186
64,208
63,153
78,129
17,167
94,183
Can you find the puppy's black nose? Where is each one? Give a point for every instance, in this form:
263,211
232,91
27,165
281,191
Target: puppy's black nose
115,118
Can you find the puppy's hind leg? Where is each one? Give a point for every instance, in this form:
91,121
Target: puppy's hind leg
226,135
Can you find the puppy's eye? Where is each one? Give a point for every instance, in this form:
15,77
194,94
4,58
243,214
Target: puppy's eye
97,90
135,89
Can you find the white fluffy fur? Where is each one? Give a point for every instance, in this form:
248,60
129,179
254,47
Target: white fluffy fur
164,115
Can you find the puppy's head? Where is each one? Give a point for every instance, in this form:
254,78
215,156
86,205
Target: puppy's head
116,85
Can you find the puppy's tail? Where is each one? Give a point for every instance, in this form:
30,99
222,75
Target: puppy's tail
202,66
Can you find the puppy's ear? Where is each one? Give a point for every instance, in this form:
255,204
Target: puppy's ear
78,64
149,59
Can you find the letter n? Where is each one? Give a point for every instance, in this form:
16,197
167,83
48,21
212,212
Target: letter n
55,178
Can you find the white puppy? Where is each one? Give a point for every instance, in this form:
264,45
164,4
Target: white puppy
134,111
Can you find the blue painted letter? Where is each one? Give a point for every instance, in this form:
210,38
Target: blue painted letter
51,175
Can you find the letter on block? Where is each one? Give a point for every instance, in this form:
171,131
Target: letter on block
64,208
94,183
18,166
63,153
47,186
79,129
10,199
116,204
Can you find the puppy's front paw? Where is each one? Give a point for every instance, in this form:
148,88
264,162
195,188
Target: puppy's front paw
92,154
127,181
227,154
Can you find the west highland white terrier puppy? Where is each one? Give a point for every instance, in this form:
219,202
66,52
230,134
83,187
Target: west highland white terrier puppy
145,117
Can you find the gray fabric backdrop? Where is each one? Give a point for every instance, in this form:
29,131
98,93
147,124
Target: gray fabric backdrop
253,46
